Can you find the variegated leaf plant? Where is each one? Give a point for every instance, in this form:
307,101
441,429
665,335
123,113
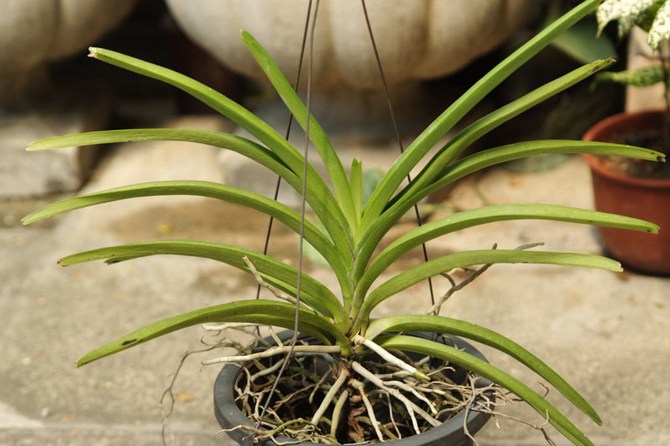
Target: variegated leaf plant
348,232
652,16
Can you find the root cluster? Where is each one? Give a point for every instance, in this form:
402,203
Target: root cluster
326,399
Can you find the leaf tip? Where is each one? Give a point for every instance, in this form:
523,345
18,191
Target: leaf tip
597,419
248,39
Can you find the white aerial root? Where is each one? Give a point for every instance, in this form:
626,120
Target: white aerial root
274,351
368,407
393,422
411,407
318,386
435,309
220,326
350,398
273,289
337,412
391,359
409,388
273,368
341,379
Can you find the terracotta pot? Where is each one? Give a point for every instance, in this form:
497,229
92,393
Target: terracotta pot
449,433
644,198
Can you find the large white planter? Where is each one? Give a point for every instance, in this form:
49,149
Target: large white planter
34,32
418,39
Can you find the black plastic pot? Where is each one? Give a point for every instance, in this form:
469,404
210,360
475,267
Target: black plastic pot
450,433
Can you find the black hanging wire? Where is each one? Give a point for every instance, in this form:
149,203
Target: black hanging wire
266,245
307,32
394,122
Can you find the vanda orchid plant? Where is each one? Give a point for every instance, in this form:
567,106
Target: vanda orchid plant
347,232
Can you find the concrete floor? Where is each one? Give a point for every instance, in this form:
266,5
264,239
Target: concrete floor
608,334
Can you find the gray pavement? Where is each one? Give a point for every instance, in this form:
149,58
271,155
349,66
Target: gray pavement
608,334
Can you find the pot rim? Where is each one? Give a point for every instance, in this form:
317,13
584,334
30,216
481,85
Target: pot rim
227,412
592,134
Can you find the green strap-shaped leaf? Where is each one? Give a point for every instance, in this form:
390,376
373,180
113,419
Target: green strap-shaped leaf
243,146
492,214
251,311
217,101
475,163
240,116
452,115
488,371
205,189
319,138
511,152
313,292
455,147
357,187
416,274
445,325
318,195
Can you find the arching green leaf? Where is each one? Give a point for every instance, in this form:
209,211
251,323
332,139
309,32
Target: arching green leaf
492,373
416,274
452,115
445,325
315,294
319,138
205,189
475,163
251,311
240,116
456,146
318,195
491,214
